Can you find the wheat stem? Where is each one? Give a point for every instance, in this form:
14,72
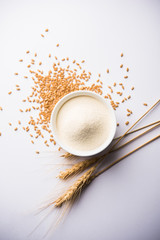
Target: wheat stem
126,155
138,129
133,139
136,123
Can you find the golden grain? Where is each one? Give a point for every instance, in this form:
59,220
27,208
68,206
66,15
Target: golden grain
145,104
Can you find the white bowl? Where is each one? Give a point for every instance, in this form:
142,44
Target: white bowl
54,120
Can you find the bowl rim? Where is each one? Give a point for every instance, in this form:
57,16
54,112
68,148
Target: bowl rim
53,119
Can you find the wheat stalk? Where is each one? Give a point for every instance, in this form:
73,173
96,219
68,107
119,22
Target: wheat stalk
138,129
126,155
75,189
88,176
133,139
139,119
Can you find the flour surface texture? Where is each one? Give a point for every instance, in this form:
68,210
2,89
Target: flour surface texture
83,123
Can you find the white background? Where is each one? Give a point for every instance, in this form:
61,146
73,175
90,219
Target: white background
123,203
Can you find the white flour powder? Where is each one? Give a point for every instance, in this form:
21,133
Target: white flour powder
83,123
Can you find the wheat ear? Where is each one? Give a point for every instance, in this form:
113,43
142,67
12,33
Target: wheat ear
77,168
76,188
